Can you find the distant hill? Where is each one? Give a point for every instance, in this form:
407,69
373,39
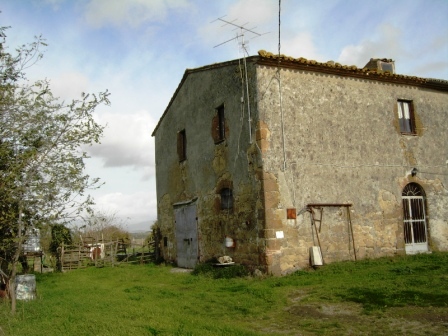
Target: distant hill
139,227
140,234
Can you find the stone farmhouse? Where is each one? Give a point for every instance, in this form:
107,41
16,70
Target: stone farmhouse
279,162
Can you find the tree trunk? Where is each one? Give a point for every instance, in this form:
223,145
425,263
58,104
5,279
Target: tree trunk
15,260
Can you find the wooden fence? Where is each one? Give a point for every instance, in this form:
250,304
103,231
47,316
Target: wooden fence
103,254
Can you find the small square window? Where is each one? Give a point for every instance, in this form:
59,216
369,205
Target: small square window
182,145
226,198
406,117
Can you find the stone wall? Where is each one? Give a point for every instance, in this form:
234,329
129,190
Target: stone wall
324,139
211,165
335,139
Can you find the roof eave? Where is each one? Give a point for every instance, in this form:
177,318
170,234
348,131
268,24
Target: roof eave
350,71
190,71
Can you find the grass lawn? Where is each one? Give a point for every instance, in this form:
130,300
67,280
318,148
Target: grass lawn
389,296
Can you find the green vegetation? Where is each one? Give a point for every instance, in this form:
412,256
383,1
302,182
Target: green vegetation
224,272
399,296
42,152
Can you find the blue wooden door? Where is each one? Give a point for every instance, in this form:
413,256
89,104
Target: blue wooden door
186,235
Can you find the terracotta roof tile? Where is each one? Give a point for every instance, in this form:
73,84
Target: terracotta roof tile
353,69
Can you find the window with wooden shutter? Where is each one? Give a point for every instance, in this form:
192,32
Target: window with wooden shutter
226,198
182,145
219,125
406,117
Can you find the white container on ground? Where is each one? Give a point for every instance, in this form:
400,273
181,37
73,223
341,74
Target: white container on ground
26,287
315,256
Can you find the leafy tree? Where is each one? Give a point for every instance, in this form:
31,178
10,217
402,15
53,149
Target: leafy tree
60,234
41,152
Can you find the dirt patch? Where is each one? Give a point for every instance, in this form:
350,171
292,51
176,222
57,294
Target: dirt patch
180,270
325,311
434,315
306,318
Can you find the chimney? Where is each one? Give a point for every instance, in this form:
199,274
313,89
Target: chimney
381,65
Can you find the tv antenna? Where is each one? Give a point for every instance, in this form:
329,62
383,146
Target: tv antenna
240,31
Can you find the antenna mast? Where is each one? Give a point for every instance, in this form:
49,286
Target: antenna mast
240,35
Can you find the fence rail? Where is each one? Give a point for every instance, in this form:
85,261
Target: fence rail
103,254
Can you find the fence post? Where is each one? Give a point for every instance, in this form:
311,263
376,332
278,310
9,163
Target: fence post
61,259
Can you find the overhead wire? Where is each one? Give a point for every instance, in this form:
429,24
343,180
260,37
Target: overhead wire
280,87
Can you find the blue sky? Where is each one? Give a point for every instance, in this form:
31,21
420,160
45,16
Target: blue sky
139,50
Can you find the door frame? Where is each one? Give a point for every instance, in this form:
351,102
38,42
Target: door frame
415,223
186,234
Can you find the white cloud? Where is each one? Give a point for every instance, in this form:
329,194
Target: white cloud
127,141
131,208
69,85
384,43
439,68
254,12
130,12
301,45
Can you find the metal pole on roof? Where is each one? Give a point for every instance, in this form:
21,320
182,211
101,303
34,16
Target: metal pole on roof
243,44
247,87
280,89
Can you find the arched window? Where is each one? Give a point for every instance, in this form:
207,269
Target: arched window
414,218
413,189
226,198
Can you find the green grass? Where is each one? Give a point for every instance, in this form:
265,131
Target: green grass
388,282
370,297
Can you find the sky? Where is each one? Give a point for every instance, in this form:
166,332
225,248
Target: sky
138,50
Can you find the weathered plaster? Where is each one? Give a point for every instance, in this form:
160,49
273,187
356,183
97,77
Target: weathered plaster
339,149
330,139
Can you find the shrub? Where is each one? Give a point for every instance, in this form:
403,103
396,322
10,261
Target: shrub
220,272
